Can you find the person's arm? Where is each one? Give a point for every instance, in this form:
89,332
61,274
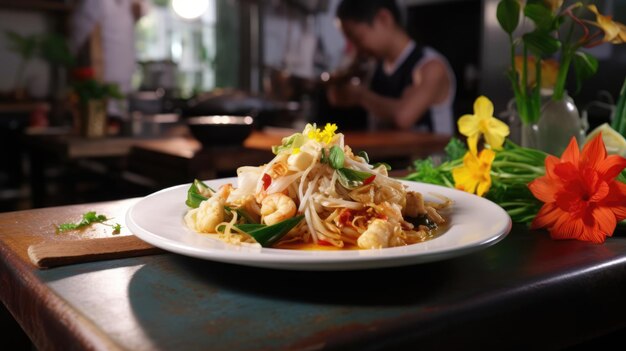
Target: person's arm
430,86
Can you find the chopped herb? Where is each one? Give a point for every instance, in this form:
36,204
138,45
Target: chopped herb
198,192
351,179
324,158
336,157
117,228
241,213
294,141
268,235
264,234
88,219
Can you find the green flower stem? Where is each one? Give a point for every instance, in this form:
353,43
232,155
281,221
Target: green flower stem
518,91
517,211
524,72
536,96
450,165
559,87
535,170
447,182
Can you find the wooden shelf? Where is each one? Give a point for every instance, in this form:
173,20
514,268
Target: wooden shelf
36,5
21,107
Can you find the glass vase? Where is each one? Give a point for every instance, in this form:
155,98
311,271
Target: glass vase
524,134
559,121
530,135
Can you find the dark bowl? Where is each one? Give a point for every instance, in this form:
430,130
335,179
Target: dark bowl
220,130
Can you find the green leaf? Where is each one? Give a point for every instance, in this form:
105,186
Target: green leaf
54,49
541,15
585,66
23,45
351,179
202,187
336,157
246,227
541,43
426,172
455,149
241,213
269,235
290,142
364,156
619,118
249,227
508,15
198,192
323,158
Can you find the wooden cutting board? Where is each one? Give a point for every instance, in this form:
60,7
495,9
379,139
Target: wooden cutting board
58,253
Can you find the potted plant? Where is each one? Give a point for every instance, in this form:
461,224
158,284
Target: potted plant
92,96
50,47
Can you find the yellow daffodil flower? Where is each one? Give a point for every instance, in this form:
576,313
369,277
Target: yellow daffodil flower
614,32
483,122
473,177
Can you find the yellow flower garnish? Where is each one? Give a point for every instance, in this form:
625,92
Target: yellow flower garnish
614,32
295,151
323,136
483,122
474,176
329,132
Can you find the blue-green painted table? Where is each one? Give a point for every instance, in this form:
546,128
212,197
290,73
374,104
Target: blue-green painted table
526,291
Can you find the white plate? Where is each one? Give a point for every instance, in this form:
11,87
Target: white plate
475,223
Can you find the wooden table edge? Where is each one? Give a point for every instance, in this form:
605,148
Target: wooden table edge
58,326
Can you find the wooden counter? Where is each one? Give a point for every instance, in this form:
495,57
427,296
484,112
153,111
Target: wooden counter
526,292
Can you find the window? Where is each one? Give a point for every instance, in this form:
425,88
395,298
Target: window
203,50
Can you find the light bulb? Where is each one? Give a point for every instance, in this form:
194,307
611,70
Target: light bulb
190,9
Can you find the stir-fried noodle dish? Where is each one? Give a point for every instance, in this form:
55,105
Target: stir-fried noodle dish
315,193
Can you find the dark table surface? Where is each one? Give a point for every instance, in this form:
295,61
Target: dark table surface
526,291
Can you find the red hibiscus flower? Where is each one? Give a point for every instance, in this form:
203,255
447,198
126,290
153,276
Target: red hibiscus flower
582,199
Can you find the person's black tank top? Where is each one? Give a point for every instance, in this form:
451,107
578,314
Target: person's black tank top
393,85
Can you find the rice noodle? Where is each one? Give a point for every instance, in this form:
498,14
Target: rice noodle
282,183
333,213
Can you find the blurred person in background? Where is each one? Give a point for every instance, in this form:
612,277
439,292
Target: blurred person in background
412,87
109,25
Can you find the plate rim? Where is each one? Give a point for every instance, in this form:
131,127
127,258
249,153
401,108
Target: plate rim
319,260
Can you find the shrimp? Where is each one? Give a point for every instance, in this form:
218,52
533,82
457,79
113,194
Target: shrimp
210,213
207,216
376,236
393,211
276,208
414,204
